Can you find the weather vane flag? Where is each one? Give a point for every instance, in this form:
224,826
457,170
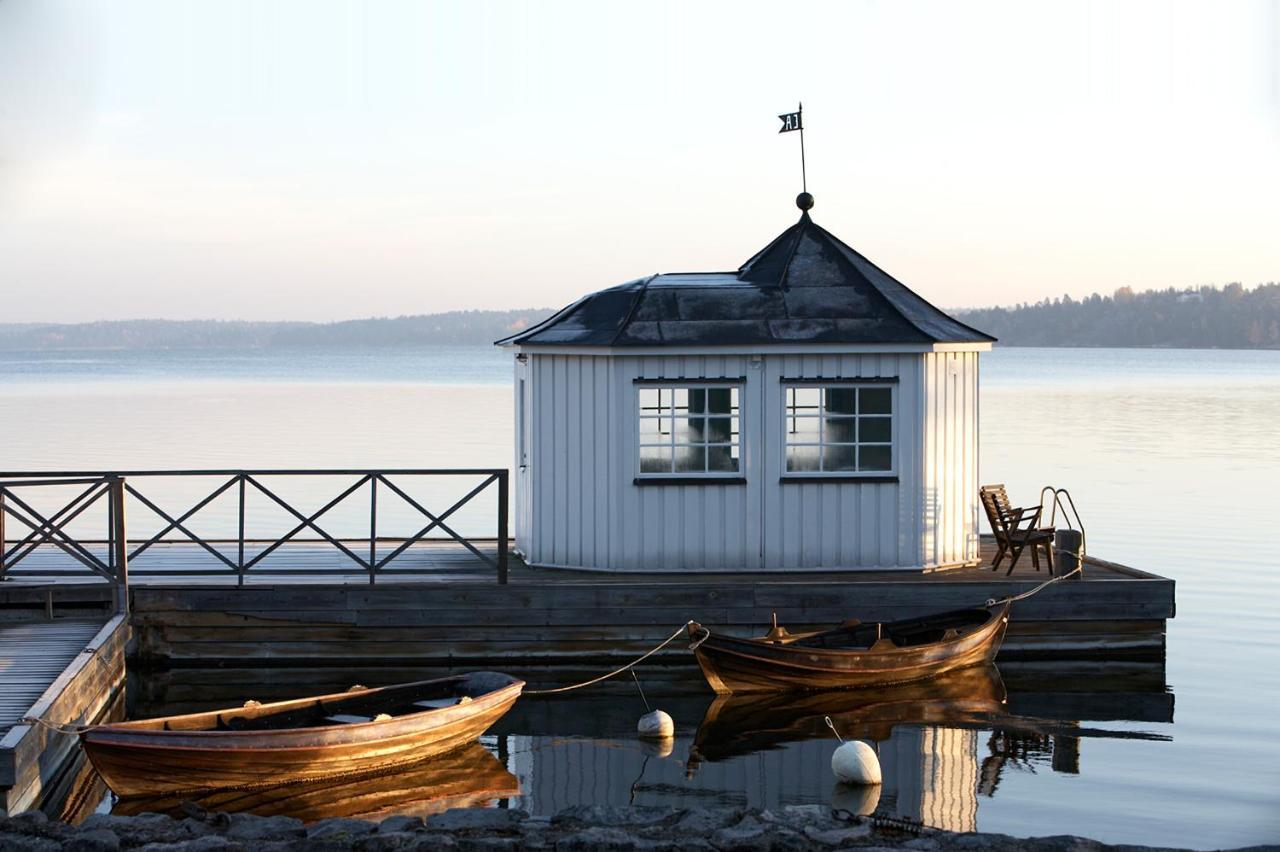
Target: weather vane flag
795,121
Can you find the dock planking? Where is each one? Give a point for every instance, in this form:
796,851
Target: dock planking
65,671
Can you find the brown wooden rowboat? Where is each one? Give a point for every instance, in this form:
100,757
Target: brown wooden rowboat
306,739
853,654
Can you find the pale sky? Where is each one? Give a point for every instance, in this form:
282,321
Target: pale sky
326,160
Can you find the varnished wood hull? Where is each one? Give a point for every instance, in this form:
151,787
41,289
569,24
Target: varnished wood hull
182,754
732,665
467,776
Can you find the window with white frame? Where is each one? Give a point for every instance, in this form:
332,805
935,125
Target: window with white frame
689,430
844,429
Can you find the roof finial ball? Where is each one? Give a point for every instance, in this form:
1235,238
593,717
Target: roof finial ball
804,201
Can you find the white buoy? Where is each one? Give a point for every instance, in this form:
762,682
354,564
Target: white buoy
855,762
656,725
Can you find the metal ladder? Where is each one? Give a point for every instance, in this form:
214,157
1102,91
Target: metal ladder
1072,518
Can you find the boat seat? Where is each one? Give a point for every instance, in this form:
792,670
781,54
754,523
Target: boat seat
436,703
347,719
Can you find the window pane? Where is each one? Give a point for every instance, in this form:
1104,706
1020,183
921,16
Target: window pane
651,427
721,459
648,400
840,430
802,430
805,399
691,459
721,400
655,459
719,429
875,430
875,401
875,458
690,430
802,459
697,400
841,400
839,458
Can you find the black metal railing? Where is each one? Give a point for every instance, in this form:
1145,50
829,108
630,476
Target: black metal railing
50,528
237,551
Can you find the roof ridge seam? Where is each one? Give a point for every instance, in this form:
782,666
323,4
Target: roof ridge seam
805,222
631,312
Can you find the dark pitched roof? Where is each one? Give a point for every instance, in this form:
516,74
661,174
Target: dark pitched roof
804,287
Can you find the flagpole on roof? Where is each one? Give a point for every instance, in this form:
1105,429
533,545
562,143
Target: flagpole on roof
795,121
804,180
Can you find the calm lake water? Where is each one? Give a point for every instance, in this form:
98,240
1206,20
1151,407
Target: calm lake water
1173,458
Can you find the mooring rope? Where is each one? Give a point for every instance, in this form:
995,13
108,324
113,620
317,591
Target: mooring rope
673,637
68,728
1029,593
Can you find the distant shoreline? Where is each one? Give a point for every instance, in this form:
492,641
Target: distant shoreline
1227,318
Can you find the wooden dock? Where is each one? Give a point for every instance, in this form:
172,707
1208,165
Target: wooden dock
64,671
459,615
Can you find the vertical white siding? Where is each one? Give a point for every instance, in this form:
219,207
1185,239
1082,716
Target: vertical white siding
578,504
951,458
841,524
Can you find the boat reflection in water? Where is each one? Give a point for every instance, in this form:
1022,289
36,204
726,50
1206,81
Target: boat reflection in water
743,723
469,776
930,772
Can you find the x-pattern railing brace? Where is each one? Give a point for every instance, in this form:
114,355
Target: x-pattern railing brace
50,530
177,523
308,522
437,521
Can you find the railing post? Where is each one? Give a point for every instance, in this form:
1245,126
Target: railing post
240,556
373,528
502,526
119,544
3,545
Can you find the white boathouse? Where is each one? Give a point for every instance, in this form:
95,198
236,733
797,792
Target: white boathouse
806,411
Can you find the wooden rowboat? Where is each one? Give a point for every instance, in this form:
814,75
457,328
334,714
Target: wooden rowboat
853,654
465,777
306,739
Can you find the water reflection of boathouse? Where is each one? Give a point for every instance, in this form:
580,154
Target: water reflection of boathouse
930,774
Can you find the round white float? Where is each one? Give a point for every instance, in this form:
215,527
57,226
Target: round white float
855,762
656,725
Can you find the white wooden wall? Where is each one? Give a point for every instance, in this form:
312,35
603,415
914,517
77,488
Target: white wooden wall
577,505
950,458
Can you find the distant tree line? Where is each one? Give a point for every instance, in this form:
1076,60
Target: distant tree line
453,328
1230,317
1206,318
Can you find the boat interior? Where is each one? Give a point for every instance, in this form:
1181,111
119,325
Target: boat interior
358,705
926,630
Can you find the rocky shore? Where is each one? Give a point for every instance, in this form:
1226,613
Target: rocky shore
595,827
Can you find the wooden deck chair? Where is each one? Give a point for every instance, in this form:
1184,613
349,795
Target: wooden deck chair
1015,529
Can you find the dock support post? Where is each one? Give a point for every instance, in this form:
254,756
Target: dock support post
119,544
502,526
